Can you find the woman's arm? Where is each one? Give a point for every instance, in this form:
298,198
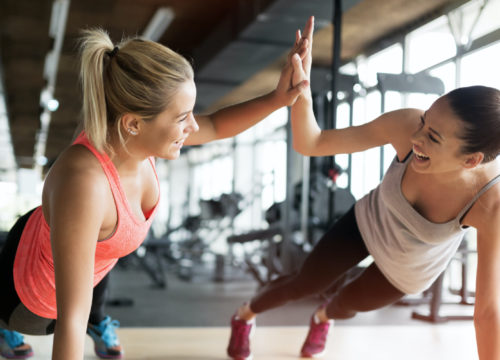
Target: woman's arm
232,120
486,219
394,127
75,211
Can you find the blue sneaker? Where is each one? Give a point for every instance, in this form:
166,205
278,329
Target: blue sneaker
106,343
12,345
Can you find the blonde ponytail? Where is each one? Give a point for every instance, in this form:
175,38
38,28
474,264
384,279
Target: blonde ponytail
137,76
95,44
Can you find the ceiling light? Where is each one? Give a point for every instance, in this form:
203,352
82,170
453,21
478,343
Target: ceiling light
41,160
158,24
52,105
47,100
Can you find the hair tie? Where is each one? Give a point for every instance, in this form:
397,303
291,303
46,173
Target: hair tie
113,52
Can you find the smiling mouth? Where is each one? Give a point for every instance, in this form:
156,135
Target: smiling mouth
420,156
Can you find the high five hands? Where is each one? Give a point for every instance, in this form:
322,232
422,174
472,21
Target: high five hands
295,76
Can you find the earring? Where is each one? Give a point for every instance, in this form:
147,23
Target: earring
132,132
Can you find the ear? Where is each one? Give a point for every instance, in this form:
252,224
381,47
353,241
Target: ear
131,123
473,160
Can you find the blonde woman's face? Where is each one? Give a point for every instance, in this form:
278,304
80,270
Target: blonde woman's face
164,136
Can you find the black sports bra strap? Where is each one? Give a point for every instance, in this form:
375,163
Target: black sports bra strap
467,207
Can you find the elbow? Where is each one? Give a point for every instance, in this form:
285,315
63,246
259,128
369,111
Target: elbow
301,148
307,146
312,144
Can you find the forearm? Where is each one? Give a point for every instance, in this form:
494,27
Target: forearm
232,120
488,338
305,129
69,340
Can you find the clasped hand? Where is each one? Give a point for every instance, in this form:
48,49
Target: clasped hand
295,76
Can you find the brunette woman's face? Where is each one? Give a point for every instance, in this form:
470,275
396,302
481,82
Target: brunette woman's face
436,145
165,134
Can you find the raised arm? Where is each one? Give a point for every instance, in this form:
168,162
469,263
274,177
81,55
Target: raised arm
235,119
485,216
74,211
394,127
232,120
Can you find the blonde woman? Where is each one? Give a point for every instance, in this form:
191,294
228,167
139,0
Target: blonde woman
101,194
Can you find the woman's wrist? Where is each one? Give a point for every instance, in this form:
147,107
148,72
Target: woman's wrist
277,99
305,97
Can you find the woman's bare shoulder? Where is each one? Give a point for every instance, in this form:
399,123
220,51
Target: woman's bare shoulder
403,124
75,173
485,213
75,159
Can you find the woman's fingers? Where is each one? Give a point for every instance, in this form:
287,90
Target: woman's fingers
298,89
301,37
299,45
301,49
309,29
297,67
307,37
298,72
299,58
302,52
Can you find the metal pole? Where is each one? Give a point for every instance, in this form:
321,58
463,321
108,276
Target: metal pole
304,206
286,209
382,110
351,121
337,25
337,29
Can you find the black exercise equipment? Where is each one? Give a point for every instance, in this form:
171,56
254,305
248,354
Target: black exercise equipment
276,255
159,255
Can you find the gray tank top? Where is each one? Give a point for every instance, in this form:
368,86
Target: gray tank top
410,250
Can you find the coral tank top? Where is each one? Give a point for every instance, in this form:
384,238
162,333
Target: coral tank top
34,266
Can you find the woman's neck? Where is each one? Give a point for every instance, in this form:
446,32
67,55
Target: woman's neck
468,178
125,160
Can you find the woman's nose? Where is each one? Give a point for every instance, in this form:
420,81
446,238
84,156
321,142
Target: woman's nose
193,125
416,138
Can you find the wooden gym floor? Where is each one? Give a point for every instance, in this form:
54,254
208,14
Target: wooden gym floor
189,321
452,341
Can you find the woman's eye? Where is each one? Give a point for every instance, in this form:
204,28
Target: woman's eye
433,139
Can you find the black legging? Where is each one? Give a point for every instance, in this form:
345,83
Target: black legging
339,250
13,314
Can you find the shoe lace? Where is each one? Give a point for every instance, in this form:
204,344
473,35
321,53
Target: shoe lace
13,338
108,331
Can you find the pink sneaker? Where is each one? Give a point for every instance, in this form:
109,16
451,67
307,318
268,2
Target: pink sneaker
314,345
239,343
